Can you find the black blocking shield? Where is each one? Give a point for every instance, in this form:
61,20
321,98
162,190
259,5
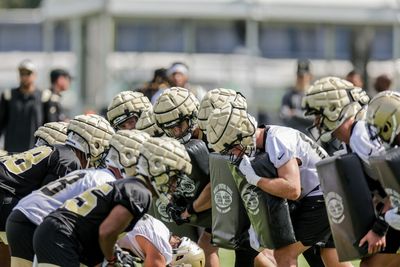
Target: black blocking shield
269,215
348,202
198,179
229,219
387,169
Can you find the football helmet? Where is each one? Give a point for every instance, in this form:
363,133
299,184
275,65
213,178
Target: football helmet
333,101
230,126
383,114
174,106
162,162
125,149
90,134
125,105
51,133
146,123
216,98
187,254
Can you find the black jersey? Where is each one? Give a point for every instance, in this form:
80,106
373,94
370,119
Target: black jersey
84,214
22,173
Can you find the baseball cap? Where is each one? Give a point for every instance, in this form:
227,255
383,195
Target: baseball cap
303,66
27,65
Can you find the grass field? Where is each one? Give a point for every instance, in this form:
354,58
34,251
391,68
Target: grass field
227,259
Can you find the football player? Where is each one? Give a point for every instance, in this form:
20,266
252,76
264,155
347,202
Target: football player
30,211
175,112
20,174
125,109
339,107
86,228
231,130
51,133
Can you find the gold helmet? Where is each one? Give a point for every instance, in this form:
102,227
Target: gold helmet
51,133
90,134
125,150
188,254
334,100
146,123
3,153
174,106
383,114
162,161
230,126
216,98
125,105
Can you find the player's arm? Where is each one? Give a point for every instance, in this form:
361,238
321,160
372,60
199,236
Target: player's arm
286,185
153,257
115,223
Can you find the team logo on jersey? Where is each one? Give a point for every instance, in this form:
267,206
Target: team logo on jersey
162,212
394,196
186,187
335,207
250,199
222,198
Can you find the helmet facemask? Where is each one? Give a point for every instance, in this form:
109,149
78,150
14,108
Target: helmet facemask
186,134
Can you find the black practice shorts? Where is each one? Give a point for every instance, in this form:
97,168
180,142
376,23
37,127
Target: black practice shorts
310,221
20,232
392,241
54,243
7,202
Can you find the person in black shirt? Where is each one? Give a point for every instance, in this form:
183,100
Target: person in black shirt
23,110
85,229
60,82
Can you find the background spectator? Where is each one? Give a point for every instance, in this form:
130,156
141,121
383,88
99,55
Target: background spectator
291,113
382,83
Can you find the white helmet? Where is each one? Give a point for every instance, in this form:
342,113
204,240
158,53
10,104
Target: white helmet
125,150
126,105
51,133
146,123
230,126
188,254
90,134
161,160
216,98
383,114
335,100
174,106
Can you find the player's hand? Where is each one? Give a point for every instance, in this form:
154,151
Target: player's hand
248,172
375,242
121,259
175,212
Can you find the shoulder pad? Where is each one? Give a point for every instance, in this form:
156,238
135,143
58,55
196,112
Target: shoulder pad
7,94
46,94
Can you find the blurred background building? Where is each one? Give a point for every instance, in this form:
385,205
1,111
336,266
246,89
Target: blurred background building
248,45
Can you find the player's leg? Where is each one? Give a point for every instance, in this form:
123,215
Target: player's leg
20,232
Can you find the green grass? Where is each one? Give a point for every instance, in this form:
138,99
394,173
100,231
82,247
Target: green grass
227,259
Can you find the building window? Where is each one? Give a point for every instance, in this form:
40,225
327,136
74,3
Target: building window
291,41
21,37
342,43
160,36
219,37
62,37
382,45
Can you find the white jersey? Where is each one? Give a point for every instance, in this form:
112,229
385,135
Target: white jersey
283,144
362,144
50,197
154,231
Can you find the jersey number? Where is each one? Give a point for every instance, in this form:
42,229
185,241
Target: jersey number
58,185
87,201
22,162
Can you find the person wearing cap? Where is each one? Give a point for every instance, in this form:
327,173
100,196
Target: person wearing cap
21,111
60,82
178,75
290,111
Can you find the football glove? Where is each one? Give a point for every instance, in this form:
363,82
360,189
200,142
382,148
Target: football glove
175,212
248,172
121,259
